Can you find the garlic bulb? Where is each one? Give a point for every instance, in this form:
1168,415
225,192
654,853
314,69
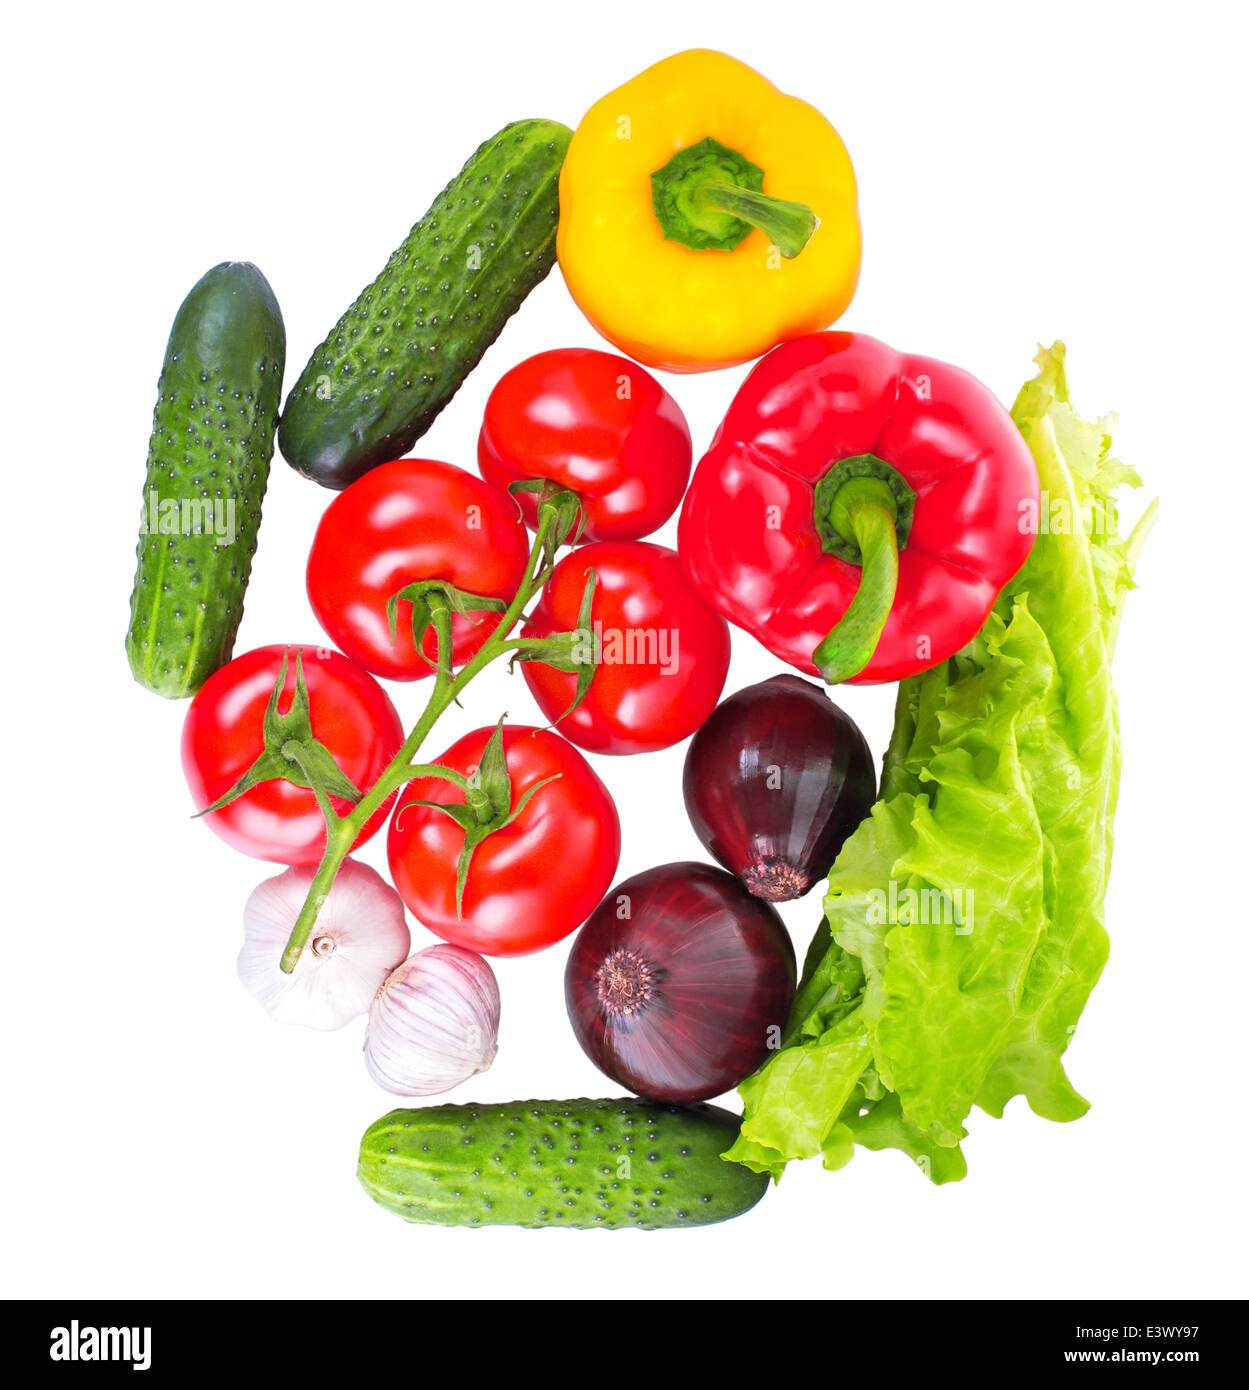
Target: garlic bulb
434,1022
359,937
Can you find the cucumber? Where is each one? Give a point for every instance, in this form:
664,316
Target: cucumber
582,1163
399,354
207,467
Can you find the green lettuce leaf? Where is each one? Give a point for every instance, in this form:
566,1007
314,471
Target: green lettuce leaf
964,923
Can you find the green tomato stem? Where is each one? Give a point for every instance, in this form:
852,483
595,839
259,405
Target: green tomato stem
343,831
293,750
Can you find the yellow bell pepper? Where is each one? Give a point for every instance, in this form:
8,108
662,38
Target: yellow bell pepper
705,216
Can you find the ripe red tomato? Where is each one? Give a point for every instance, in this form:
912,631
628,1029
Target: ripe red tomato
530,883
664,650
595,423
408,520
223,735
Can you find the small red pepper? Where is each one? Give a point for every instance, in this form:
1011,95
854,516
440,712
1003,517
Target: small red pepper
860,509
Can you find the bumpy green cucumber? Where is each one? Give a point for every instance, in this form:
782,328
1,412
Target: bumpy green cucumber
607,1163
207,467
399,354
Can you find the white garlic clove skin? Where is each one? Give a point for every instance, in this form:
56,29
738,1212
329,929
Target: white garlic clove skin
434,1023
360,936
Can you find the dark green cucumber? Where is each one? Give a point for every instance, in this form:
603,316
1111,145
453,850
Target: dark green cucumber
207,467
399,354
584,1163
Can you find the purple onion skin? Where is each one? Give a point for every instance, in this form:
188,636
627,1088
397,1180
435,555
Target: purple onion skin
682,997
776,781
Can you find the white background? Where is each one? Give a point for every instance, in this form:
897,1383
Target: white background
1026,172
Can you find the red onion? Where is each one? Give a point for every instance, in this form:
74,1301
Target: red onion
680,982
776,781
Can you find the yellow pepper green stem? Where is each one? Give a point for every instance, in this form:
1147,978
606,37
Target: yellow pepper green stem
788,226
709,198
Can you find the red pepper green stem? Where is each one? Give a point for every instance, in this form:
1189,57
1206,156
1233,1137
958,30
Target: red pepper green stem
863,511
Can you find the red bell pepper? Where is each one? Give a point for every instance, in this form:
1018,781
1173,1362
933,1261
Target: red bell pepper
860,509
